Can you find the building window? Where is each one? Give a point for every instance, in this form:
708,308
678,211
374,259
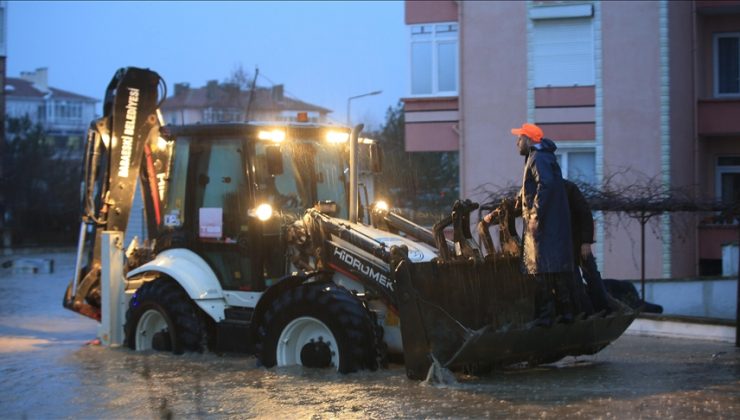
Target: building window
65,111
563,52
74,143
434,59
728,179
219,115
727,64
578,164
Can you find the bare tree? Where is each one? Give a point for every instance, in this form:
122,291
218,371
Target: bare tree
240,77
641,198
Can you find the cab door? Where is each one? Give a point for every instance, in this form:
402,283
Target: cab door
219,202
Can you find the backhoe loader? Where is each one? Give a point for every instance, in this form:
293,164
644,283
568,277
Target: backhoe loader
258,242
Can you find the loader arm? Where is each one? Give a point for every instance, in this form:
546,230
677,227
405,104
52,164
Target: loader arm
122,145
392,222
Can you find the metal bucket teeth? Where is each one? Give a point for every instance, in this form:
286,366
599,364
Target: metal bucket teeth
465,313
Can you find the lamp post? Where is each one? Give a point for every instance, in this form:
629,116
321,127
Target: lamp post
349,102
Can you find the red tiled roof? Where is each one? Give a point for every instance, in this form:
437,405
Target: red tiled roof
225,97
21,88
15,87
63,94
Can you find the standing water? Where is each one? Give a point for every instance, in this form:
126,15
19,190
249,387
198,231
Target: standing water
47,370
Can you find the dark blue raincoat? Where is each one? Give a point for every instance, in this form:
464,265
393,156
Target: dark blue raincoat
548,248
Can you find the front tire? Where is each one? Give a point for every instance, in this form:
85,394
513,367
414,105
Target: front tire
162,317
318,325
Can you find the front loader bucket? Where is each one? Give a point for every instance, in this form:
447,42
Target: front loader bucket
467,314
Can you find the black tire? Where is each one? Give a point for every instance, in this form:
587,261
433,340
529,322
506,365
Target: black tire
348,320
185,327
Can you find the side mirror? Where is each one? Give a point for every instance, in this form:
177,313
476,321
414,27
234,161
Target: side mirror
274,160
376,158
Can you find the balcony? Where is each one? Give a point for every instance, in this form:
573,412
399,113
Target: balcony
718,117
717,7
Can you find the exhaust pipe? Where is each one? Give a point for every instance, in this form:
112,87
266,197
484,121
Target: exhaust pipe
353,162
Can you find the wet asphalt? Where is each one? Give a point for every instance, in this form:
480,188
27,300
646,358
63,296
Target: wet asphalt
48,369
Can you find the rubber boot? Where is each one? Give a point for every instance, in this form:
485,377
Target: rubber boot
596,289
544,303
563,299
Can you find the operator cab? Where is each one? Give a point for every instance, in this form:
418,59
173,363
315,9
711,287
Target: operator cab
235,186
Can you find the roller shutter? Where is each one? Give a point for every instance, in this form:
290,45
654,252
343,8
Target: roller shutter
563,52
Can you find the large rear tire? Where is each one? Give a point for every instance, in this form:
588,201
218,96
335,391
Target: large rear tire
162,317
318,325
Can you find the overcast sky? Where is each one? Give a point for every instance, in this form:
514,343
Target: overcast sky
323,52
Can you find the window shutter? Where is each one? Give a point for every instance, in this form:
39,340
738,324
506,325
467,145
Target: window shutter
563,51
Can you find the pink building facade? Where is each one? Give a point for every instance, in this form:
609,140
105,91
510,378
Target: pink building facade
629,90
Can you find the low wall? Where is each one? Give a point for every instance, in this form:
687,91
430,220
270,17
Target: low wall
710,298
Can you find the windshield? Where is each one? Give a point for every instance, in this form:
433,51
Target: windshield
312,171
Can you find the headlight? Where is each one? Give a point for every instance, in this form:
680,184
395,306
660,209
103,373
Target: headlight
337,137
161,143
381,205
275,135
263,212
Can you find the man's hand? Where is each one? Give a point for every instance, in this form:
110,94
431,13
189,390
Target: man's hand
489,217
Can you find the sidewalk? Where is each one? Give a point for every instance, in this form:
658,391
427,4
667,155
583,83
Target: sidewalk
676,326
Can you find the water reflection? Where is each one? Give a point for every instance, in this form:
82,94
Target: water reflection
622,383
47,371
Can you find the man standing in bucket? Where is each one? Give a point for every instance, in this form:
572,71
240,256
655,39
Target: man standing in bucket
547,244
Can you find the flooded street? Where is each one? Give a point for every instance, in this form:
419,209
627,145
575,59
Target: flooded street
48,371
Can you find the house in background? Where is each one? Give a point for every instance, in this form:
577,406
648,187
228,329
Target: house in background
65,116
226,102
644,89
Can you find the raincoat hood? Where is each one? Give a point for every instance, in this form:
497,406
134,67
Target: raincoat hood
546,145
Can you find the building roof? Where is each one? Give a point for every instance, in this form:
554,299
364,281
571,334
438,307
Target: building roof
20,88
229,96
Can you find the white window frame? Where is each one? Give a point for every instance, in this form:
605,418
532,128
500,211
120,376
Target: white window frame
435,40
721,170
715,61
564,152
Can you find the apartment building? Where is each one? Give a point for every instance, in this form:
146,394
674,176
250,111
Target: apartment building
630,91
4,234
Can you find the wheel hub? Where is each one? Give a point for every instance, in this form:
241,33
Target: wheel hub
308,342
152,332
316,354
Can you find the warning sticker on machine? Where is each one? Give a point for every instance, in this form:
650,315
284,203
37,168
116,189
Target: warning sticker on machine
172,220
211,222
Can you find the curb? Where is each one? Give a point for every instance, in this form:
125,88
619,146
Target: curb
683,327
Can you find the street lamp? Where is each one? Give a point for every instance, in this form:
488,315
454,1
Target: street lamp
349,102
